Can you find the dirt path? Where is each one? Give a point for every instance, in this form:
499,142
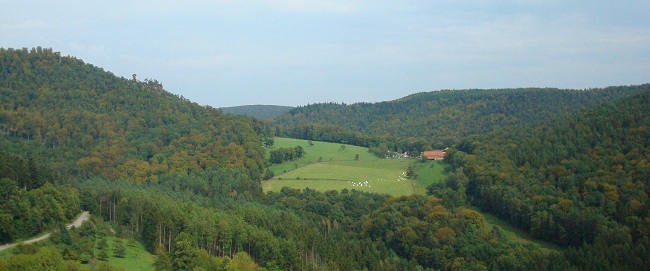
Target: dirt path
80,220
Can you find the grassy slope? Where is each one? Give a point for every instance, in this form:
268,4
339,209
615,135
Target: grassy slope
427,173
339,170
380,176
136,258
329,152
5,254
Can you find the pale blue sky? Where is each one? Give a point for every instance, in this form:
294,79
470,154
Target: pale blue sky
291,52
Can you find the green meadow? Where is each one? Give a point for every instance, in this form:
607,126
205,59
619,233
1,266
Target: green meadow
136,257
428,173
319,152
327,166
5,254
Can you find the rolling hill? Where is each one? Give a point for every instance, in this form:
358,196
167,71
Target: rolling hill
440,118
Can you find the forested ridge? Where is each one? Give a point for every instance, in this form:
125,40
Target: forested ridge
87,119
581,181
440,118
184,180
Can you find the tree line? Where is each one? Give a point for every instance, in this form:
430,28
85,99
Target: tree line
286,154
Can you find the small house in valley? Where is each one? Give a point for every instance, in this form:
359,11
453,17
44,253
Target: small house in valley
435,154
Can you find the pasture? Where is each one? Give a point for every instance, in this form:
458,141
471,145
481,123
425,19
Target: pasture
379,176
427,173
319,152
339,170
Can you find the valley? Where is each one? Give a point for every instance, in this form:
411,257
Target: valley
322,186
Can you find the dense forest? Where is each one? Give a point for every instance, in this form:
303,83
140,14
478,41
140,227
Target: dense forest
83,118
184,180
257,111
30,203
438,119
581,181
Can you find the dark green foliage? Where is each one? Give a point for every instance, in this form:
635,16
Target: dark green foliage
438,119
85,119
118,248
102,246
26,213
268,174
47,258
347,230
580,180
270,141
162,263
27,174
257,111
184,252
286,154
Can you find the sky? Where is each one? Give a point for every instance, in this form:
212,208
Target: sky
293,52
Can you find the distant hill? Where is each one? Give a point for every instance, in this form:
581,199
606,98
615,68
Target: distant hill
257,111
439,118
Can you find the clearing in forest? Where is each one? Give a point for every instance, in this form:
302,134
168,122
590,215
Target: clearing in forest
328,166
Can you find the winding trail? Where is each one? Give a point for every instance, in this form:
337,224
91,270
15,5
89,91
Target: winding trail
80,220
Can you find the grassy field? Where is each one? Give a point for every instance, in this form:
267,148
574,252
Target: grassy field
379,176
427,173
319,152
326,166
5,254
136,258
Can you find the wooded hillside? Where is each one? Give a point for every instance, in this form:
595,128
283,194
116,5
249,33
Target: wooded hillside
86,119
581,181
440,118
567,166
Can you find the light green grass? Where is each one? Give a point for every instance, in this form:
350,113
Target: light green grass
324,151
379,176
428,173
136,258
339,170
142,262
5,254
